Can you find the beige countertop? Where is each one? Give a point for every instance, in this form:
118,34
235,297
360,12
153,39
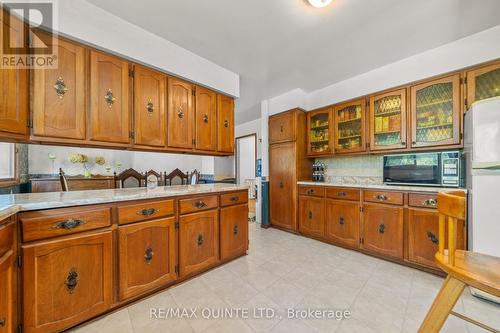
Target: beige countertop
384,187
12,203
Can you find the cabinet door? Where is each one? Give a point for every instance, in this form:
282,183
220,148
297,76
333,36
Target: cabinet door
180,115
225,126
147,256
350,127
150,88
14,85
206,119
66,281
383,230
198,241
342,222
233,231
388,120
312,216
8,279
436,113
319,125
109,98
423,236
282,127
282,187
59,102
483,83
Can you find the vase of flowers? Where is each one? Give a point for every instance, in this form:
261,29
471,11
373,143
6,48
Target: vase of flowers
84,160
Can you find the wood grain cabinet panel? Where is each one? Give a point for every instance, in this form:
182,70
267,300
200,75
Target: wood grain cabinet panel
8,278
66,281
206,119
198,241
237,198
342,222
225,123
314,191
196,204
59,94
233,231
349,130
141,211
312,216
319,132
343,193
385,197
150,90
282,128
109,98
383,230
180,114
147,256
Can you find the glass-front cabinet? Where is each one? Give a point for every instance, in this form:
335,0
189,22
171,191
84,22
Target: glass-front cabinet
435,112
350,127
483,83
388,120
319,124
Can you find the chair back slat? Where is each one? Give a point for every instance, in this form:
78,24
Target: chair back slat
176,177
451,207
63,180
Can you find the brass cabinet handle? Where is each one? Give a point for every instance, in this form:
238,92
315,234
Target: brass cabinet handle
200,240
430,202
69,224
381,197
310,191
109,98
381,228
281,184
2,322
341,194
148,255
403,143
234,199
150,107
60,87
226,123
235,230
205,119
310,215
148,211
71,280
180,113
341,220
200,204
432,237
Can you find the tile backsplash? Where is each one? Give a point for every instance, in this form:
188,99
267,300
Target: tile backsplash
363,169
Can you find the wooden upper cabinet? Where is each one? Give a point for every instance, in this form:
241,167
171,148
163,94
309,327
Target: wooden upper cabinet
436,112
482,83
282,127
388,120
109,98
350,127
150,89
13,85
59,95
206,119
319,136
225,123
180,115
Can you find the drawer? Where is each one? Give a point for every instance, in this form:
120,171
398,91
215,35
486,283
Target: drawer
57,222
393,198
229,199
314,191
343,193
145,211
197,204
7,233
425,200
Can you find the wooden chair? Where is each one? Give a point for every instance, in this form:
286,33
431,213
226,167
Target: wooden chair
176,177
129,179
156,174
464,268
63,180
194,177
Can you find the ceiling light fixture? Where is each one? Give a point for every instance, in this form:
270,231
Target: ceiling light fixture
320,3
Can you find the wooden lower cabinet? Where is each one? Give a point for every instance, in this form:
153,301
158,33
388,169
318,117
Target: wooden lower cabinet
312,216
383,230
198,241
233,231
66,281
147,256
8,278
342,222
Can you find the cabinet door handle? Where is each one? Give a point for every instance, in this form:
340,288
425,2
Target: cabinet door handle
2,322
150,107
71,280
200,240
69,224
341,220
281,184
234,199
430,202
60,87
148,211
205,119
148,255
310,215
226,123
341,194
381,197
200,204
310,191
109,98
403,143
281,128
381,228
235,230
180,113
432,237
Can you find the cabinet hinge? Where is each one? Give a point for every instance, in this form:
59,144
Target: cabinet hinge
193,92
131,73
194,141
19,261
132,135
466,104
461,136
176,225
177,268
463,80
367,145
30,123
361,209
20,328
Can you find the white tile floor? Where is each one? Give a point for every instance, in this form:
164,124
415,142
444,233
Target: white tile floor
285,271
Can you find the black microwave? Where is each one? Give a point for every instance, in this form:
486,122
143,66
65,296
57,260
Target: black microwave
425,169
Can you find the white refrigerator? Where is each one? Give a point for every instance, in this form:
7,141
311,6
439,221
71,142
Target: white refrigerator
482,158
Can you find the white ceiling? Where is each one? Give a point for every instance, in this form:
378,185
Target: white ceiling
279,45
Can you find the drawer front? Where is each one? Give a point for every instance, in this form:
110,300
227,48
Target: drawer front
197,204
7,234
394,198
343,193
229,199
314,191
51,223
145,211
425,200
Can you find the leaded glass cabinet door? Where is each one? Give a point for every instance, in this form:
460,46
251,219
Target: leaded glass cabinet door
350,127
483,83
319,127
388,120
435,112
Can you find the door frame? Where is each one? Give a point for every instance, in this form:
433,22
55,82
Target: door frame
236,153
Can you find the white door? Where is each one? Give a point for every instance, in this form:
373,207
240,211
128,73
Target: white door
245,158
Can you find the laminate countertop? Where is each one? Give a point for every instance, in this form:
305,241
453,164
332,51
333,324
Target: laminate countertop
405,188
11,204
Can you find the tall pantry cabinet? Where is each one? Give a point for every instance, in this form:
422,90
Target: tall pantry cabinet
287,165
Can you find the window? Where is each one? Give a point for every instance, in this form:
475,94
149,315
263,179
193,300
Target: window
8,164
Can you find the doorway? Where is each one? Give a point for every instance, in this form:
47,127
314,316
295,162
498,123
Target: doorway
245,166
